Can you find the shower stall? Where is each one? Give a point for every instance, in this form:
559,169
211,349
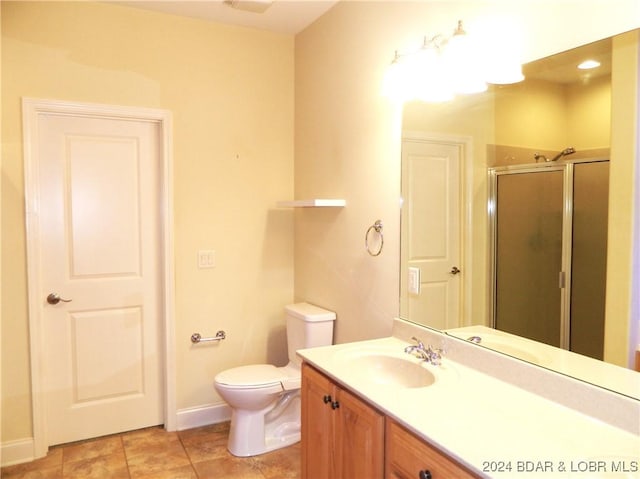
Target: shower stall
548,237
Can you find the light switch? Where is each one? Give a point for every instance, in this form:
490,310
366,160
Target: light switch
206,258
414,280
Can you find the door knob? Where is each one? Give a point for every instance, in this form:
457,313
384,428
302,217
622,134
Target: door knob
455,270
54,298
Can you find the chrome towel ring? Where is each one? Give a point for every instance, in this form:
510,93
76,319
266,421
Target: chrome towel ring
377,227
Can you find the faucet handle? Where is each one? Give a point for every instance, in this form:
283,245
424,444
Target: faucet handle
420,343
434,355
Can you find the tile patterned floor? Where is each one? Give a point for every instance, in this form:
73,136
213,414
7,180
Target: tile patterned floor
154,453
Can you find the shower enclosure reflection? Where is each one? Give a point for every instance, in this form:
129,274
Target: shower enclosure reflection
549,250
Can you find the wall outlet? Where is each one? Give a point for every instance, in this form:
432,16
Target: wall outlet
206,258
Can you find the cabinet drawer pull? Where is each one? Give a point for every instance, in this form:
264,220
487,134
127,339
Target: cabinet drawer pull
426,474
335,405
327,399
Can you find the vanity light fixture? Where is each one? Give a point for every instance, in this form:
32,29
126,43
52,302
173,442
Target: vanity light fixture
446,66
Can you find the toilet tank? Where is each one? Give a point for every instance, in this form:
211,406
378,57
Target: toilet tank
308,326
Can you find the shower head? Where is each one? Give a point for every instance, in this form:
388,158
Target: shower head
567,151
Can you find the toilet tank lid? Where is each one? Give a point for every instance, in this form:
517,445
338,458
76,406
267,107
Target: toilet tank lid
309,312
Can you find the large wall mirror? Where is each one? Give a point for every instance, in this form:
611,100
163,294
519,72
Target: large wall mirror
505,201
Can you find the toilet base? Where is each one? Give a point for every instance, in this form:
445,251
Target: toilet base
242,449
274,427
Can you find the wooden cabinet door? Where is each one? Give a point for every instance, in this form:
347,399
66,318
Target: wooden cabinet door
407,456
358,439
342,436
317,425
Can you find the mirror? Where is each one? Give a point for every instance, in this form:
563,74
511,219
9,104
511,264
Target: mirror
557,121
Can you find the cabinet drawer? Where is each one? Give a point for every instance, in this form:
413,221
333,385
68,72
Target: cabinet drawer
407,456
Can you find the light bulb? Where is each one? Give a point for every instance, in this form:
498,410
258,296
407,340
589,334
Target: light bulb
589,64
462,63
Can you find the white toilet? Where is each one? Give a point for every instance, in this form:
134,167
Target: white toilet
265,400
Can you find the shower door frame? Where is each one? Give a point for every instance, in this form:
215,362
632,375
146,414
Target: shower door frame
564,279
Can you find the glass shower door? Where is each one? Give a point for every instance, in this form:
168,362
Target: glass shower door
589,257
528,251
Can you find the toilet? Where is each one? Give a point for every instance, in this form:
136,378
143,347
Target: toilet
265,399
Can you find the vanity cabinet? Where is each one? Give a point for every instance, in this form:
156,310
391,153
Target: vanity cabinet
342,436
409,457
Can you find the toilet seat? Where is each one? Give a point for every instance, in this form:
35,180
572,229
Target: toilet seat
258,376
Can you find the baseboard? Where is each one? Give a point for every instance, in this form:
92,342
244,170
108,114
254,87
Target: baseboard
22,450
202,416
16,452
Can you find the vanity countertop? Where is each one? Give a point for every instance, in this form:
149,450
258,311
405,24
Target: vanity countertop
497,429
606,375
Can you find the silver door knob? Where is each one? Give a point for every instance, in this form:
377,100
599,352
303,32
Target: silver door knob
54,298
455,270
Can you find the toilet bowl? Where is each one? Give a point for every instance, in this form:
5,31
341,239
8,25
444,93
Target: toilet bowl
265,399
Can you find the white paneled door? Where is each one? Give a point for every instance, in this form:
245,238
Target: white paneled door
99,254
431,216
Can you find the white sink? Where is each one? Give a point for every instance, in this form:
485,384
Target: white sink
383,365
392,371
505,343
497,343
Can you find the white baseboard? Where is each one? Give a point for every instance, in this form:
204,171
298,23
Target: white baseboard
202,416
22,450
16,452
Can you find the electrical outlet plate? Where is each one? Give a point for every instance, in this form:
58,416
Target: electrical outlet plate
414,281
206,258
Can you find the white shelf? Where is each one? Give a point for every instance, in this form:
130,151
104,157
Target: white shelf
313,203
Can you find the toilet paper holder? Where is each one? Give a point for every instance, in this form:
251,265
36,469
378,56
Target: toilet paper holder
197,338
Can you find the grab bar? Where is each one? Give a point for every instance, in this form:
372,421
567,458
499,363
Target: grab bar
197,338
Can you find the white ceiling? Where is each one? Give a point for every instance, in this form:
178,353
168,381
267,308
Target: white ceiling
283,16
562,67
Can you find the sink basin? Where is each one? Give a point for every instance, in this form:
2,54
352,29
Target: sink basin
393,371
380,366
510,349
505,343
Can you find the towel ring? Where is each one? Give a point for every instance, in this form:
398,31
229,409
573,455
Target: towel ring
377,227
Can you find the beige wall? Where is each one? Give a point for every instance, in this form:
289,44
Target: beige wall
622,212
231,94
230,91
589,115
549,116
532,114
347,141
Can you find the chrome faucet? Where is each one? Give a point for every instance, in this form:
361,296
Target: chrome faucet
418,348
428,354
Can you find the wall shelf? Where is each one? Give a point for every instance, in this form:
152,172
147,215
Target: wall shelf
313,203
